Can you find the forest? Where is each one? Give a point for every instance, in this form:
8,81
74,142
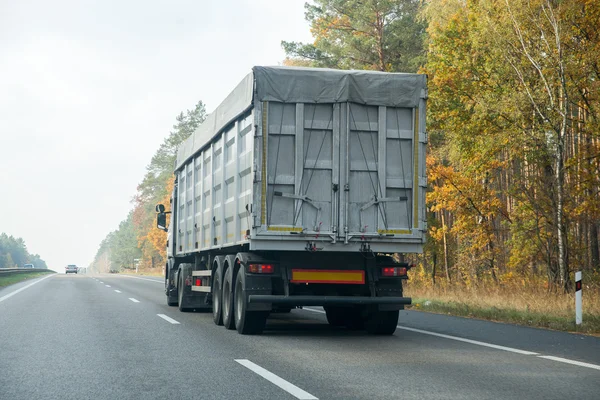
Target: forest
14,253
513,128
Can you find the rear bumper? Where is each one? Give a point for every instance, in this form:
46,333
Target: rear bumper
327,300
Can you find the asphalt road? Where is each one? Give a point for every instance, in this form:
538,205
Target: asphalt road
114,337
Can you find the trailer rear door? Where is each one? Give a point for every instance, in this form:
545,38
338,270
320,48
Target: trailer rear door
346,170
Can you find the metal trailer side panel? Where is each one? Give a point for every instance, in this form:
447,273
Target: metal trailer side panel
215,191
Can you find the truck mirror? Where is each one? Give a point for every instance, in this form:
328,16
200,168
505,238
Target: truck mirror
161,221
160,208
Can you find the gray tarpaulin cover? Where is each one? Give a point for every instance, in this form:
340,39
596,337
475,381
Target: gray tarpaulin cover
312,85
306,85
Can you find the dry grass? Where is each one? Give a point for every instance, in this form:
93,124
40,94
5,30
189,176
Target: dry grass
525,304
150,272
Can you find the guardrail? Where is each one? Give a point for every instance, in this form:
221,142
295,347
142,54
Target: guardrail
10,271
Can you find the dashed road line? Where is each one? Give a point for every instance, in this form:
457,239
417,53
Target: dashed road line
107,285
277,381
118,291
168,319
134,300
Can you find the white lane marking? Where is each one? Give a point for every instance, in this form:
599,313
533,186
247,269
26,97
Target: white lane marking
313,310
168,319
276,380
118,291
144,279
107,285
134,300
23,288
494,346
100,281
573,362
475,342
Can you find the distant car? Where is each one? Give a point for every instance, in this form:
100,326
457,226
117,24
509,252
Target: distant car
70,268
28,266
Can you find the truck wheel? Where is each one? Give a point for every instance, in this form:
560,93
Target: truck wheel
382,322
217,296
180,293
228,319
354,320
246,322
336,316
172,301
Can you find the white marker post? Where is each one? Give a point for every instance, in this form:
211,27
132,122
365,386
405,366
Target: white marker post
578,310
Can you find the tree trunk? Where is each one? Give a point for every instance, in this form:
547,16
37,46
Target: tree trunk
445,246
594,246
434,267
560,172
380,49
560,225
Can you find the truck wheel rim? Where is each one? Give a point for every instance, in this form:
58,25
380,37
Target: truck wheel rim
226,301
238,304
216,298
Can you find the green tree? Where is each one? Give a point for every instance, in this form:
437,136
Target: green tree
124,245
154,187
160,168
13,253
382,35
514,130
135,237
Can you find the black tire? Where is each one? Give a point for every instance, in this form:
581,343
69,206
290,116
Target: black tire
180,292
355,321
246,322
217,296
336,316
382,322
228,303
172,301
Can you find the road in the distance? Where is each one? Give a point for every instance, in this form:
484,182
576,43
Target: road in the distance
113,337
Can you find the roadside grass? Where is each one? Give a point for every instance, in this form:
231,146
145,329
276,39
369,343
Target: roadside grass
150,272
145,272
530,306
11,279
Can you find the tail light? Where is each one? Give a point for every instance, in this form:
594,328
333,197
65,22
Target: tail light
393,271
261,268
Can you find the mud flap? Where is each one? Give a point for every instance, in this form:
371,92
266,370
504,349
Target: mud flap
258,285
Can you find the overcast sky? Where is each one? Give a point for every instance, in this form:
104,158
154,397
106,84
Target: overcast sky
89,90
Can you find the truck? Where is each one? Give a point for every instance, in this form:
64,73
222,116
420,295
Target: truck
298,190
